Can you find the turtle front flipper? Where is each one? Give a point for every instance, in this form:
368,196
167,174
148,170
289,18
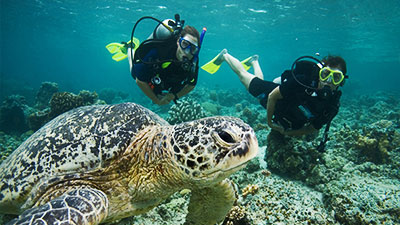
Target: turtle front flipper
77,206
211,204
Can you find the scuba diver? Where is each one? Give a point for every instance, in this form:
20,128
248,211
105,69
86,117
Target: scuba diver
298,102
165,65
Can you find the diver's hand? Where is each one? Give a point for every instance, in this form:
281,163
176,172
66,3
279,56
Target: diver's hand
277,127
166,99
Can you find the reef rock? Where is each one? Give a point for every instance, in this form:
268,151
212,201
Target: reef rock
37,119
111,96
291,156
43,96
236,216
377,141
357,199
13,113
211,108
59,103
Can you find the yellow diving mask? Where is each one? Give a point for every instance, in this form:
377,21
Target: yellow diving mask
334,76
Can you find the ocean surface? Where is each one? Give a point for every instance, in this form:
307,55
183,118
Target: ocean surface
64,41
355,181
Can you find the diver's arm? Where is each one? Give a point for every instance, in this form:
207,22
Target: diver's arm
273,97
185,90
148,91
302,131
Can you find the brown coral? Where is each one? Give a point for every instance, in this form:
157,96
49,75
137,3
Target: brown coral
249,189
64,101
37,119
237,216
377,141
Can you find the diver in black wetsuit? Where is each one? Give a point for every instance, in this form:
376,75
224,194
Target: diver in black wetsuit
167,68
303,99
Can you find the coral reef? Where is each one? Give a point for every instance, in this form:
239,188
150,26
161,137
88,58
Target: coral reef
64,101
111,96
230,97
291,156
185,110
213,95
60,103
377,140
252,166
8,143
355,181
364,200
236,216
43,96
211,108
238,107
249,189
281,201
250,116
37,119
13,113
88,98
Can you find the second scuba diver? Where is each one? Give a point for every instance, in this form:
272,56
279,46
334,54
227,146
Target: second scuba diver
165,66
299,102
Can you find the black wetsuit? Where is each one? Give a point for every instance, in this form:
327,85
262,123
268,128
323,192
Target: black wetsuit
300,105
164,73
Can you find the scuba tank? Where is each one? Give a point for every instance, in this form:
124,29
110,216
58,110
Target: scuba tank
161,32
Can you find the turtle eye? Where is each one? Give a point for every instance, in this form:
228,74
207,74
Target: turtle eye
226,137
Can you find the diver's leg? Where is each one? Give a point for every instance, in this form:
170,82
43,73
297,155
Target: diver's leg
257,69
237,67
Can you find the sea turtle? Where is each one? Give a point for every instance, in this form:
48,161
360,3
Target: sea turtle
98,164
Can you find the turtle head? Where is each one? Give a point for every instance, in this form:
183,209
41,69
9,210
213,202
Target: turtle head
213,148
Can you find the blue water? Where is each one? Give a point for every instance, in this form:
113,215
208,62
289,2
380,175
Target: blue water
64,41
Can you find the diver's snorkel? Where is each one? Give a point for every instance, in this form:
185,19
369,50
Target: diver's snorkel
203,33
186,64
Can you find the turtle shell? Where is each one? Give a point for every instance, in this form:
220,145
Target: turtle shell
80,140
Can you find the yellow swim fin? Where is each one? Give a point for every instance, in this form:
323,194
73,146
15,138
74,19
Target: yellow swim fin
119,49
214,65
247,63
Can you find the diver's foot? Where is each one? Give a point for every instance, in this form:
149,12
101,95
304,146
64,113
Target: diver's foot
251,60
220,58
254,58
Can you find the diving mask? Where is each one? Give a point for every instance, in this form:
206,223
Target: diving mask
334,76
188,47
